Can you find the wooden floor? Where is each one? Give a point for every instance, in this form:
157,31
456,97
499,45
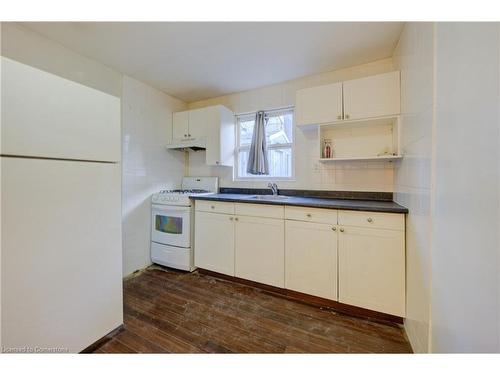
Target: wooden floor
167,311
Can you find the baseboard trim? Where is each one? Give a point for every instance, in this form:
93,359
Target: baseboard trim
308,299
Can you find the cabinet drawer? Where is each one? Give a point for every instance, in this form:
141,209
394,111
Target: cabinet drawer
213,206
259,210
368,219
314,215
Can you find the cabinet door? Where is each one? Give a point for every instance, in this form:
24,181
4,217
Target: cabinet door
311,258
372,269
180,125
214,242
318,105
220,143
372,96
203,121
260,250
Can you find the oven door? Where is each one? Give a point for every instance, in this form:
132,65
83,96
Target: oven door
170,225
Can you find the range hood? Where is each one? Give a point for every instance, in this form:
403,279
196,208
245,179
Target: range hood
188,145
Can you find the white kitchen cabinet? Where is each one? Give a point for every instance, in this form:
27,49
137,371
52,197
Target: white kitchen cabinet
189,125
180,125
259,250
358,99
373,96
372,269
214,242
311,258
193,124
200,121
318,105
354,257
210,128
379,220
221,137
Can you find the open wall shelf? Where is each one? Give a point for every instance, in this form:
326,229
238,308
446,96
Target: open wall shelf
363,140
367,158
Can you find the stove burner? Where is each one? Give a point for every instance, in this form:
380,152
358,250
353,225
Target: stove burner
187,191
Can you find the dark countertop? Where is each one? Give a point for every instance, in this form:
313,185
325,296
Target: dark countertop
342,204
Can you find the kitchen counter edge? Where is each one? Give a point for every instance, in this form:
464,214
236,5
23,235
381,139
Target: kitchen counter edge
341,204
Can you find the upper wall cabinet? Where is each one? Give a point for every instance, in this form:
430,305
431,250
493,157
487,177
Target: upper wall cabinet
363,98
180,127
318,105
189,125
201,119
372,96
209,128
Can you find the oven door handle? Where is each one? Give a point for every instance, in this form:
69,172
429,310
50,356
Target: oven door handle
161,208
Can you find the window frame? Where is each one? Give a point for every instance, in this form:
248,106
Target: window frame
238,148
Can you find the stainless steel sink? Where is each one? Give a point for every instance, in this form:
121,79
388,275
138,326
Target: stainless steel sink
270,197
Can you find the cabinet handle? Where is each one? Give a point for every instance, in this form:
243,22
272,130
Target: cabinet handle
309,215
339,117
189,135
217,162
342,230
370,220
235,219
185,135
231,218
212,207
334,229
346,116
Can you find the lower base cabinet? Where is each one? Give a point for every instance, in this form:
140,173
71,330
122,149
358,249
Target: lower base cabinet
311,258
357,258
259,250
372,269
214,242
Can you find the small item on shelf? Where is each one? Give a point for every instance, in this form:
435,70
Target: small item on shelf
327,149
385,152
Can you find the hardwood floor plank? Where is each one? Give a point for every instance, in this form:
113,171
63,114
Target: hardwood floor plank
167,341
167,311
137,343
115,347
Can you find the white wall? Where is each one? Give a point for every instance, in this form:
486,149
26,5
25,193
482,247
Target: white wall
465,252
309,173
414,57
147,166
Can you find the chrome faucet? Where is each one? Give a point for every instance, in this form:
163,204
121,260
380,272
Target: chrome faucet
273,187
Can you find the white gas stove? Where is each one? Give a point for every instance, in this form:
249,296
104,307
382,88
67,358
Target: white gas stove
172,222
191,186
177,197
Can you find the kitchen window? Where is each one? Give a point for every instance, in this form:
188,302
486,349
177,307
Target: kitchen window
280,146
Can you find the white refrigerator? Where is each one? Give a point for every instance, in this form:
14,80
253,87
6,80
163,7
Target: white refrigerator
61,254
